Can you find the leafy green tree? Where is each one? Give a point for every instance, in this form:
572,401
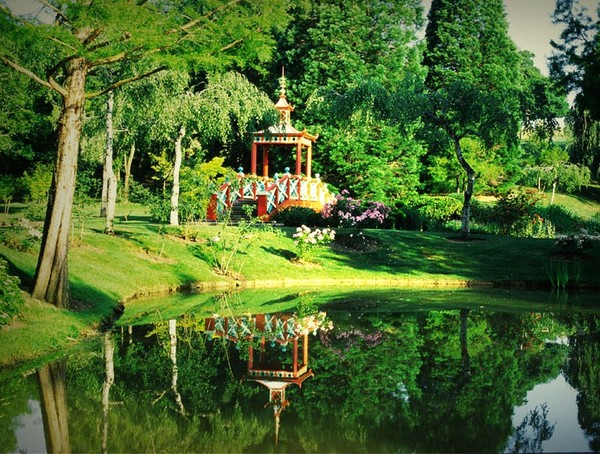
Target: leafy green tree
228,109
543,101
583,373
27,115
336,48
224,112
369,138
472,66
575,65
87,36
339,43
553,169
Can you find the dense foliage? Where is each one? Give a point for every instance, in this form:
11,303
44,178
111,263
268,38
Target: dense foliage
11,299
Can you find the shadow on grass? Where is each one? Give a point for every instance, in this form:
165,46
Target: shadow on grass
416,254
283,253
133,219
89,304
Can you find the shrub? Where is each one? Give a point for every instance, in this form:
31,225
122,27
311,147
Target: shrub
564,221
483,213
346,211
37,183
427,212
515,210
11,300
356,241
159,207
308,240
8,189
593,224
575,243
21,236
138,193
89,185
295,216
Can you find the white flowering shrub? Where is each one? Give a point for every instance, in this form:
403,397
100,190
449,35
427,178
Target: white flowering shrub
308,240
575,242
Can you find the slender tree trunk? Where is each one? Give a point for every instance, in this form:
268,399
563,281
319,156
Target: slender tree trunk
128,164
51,277
175,370
51,379
104,194
109,379
464,345
466,210
553,192
174,219
111,179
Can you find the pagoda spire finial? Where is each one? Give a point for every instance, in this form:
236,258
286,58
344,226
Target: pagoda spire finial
282,83
282,105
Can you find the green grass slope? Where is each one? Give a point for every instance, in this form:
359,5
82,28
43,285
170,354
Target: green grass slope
143,258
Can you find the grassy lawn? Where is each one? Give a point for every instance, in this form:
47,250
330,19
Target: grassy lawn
584,204
143,259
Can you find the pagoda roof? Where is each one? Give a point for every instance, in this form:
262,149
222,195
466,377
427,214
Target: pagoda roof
284,128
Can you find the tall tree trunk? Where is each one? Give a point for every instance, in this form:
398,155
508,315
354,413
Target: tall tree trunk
111,179
553,191
466,209
51,276
128,164
174,218
51,379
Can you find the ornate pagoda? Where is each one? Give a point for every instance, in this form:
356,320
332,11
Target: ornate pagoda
282,134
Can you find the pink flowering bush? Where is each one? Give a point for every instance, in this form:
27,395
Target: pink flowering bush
307,240
345,211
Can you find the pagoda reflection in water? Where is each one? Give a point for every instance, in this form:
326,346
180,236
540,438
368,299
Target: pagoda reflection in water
277,349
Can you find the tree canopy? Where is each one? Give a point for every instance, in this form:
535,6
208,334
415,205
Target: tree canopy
87,36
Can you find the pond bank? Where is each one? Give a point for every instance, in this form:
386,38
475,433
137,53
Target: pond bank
108,272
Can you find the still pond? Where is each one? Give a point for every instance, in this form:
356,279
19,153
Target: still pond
366,371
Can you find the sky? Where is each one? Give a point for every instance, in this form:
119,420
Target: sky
529,22
530,26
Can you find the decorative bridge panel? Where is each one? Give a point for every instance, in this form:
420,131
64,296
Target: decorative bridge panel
271,194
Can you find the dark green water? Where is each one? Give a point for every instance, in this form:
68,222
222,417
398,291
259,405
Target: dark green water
390,371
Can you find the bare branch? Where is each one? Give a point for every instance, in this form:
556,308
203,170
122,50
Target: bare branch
110,60
193,23
124,38
60,64
62,43
56,10
124,82
230,45
32,76
93,35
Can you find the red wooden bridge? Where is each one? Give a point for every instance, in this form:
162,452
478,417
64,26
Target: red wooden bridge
269,195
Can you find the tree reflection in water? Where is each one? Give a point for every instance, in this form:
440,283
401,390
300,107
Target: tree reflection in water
529,435
428,381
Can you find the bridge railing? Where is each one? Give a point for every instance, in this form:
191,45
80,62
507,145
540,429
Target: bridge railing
270,194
